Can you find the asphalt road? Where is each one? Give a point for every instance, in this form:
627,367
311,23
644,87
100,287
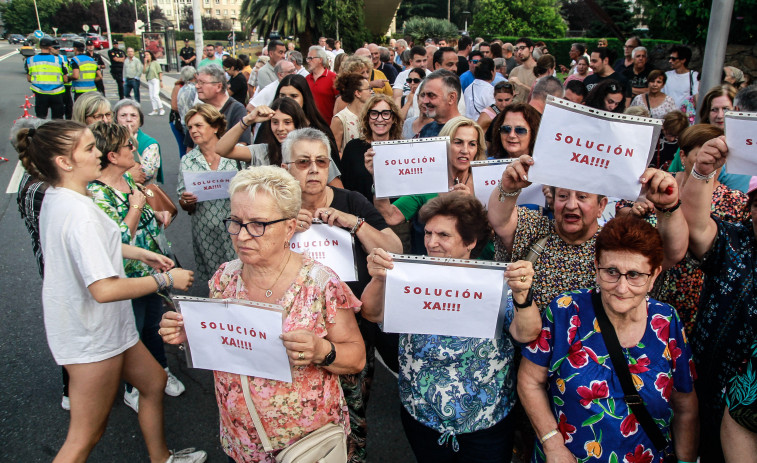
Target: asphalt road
32,424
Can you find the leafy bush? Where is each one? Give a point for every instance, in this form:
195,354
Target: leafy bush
422,28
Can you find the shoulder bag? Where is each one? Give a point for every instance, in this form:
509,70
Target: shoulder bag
327,444
620,365
158,199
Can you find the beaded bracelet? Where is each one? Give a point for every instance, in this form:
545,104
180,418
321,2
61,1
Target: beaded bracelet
170,281
504,194
703,177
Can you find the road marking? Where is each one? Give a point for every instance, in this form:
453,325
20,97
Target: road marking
8,55
15,179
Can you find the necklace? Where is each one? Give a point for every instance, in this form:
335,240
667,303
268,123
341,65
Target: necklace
269,292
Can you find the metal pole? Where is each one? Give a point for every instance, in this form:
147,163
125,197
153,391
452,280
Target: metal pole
107,23
39,27
197,18
448,10
147,9
714,50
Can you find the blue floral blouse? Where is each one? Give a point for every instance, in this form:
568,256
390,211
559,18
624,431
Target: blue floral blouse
585,394
458,385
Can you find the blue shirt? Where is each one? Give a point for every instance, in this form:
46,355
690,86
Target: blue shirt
466,79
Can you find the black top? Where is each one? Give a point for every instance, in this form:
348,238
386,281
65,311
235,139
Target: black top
594,79
355,176
98,59
188,53
354,203
389,72
234,111
638,80
117,53
462,65
238,86
620,65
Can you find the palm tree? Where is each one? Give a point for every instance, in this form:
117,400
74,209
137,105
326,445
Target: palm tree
290,17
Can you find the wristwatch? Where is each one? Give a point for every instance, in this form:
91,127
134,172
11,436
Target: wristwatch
329,358
527,303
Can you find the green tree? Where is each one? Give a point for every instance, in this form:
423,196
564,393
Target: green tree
422,28
621,14
350,15
535,18
688,21
289,17
19,16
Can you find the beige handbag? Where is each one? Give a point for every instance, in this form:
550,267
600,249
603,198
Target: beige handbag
327,444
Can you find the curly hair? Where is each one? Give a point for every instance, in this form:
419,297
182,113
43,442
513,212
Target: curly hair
212,116
347,84
469,214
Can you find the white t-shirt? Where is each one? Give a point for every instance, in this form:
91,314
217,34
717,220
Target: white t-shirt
81,245
264,96
478,96
303,72
681,86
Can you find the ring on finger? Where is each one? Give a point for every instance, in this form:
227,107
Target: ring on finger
301,356
523,279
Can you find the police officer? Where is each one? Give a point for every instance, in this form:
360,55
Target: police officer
85,71
46,74
68,102
117,58
100,64
187,55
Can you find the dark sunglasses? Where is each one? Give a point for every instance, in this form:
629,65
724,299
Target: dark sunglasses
673,58
475,61
506,129
503,85
413,80
304,163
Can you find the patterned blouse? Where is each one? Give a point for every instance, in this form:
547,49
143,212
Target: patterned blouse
350,125
148,234
657,112
681,285
584,392
727,319
561,267
288,411
458,385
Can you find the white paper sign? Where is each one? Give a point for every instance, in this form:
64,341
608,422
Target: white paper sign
488,174
410,167
741,137
209,185
593,151
239,337
330,245
449,300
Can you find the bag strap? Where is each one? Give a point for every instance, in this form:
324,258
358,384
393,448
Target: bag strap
536,249
254,414
620,365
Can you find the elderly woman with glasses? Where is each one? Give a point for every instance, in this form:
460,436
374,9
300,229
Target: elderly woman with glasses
149,166
211,245
92,107
573,382
321,335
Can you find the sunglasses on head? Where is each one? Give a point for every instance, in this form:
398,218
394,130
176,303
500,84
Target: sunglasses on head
413,80
506,129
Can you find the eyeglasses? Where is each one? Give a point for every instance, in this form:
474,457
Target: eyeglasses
100,117
304,163
673,58
129,144
200,83
506,129
385,114
612,275
474,61
311,58
413,80
254,228
628,46
522,47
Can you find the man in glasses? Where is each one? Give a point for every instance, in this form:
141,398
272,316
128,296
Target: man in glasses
209,53
522,76
211,88
627,61
321,81
682,83
600,64
265,95
467,77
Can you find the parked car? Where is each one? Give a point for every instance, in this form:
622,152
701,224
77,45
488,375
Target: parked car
34,40
15,38
100,42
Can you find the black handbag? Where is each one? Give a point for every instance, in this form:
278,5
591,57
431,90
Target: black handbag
631,396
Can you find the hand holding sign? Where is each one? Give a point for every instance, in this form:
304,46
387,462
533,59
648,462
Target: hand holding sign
302,347
172,328
515,176
660,188
333,217
304,220
379,261
368,159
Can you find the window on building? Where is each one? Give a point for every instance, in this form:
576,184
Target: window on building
218,12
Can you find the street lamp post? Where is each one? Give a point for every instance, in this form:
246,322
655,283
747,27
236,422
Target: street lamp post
107,24
36,12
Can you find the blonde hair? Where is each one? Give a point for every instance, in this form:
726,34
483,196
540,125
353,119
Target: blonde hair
356,64
451,127
273,181
212,116
87,106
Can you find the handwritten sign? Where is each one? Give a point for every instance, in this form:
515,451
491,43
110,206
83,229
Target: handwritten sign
332,246
235,336
593,151
447,297
488,174
741,138
410,167
209,185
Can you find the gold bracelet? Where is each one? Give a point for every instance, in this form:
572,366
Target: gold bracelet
137,207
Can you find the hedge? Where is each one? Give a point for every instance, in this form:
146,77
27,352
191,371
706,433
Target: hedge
559,48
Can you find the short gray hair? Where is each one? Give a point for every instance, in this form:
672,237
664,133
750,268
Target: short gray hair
296,56
547,86
128,102
637,50
216,72
499,62
277,69
746,99
273,181
384,54
450,82
400,43
321,54
187,73
306,134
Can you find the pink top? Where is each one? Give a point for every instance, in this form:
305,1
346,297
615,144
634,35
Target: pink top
289,411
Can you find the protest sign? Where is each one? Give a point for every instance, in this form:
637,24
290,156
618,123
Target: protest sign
594,151
741,138
209,185
235,336
330,245
487,176
410,167
450,297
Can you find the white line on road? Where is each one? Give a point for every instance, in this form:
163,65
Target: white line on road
8,55
15,179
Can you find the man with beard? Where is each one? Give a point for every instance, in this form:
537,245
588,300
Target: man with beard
438,100
523,75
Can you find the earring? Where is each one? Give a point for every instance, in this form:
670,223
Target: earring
69,168
286,244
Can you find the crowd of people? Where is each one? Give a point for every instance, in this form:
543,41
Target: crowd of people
629,340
